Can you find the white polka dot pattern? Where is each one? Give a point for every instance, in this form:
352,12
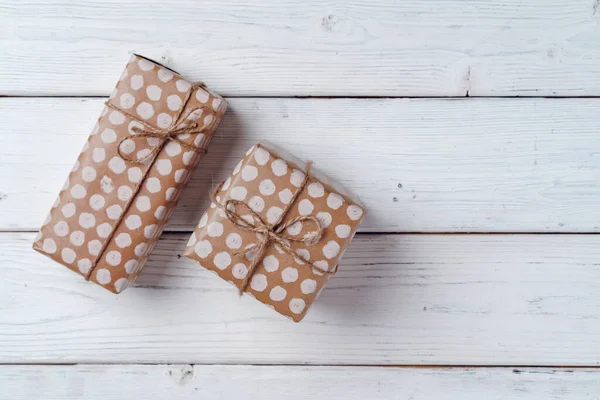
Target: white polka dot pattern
101,223
268,184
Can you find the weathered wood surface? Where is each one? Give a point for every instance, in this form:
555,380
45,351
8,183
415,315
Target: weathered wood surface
398,299
308,48
420,166
474,165
108,382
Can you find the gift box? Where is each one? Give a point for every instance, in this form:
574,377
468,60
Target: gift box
276,229
151,134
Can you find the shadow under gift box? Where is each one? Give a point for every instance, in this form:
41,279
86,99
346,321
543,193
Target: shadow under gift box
272,184
115,204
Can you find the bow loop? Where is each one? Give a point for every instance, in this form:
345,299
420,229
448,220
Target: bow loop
313,236
244,222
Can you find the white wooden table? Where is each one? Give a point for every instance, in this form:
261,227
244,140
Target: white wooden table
470,129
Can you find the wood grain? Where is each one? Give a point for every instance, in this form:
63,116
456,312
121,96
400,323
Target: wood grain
420,165
398,299
308,48
183,382
405,300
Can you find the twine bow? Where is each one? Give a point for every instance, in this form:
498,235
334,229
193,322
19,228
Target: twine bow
162,134
271,233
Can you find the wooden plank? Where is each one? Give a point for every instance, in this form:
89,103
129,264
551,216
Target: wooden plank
493,165
275,48
108,382
398,299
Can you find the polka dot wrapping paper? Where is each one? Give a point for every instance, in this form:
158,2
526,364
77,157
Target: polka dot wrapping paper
270,187
128,178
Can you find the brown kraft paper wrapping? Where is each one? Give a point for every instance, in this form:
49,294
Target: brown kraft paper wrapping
130,174
272,185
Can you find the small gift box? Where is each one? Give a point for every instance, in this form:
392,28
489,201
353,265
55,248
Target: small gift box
127,180
276,229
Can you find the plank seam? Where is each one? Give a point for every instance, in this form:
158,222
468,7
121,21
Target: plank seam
468,96
517,368
436,233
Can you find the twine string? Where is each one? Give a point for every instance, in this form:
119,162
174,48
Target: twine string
271,233
164,136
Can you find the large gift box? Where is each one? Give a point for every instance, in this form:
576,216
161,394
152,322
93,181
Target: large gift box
126,182
276,229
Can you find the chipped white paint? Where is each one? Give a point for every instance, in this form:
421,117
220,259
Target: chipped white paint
313,48
476,165
183,382
397,299
427,165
